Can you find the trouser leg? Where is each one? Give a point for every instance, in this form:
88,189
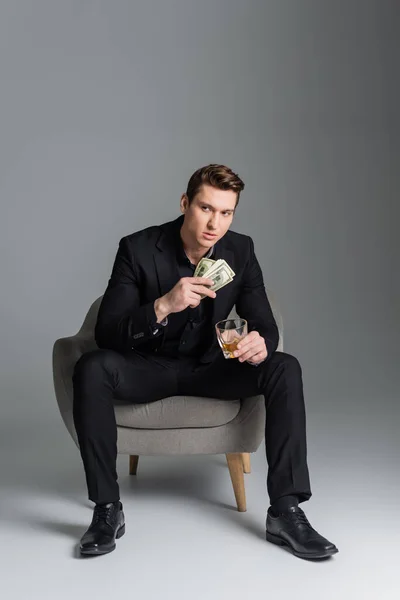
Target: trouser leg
99,377
279,379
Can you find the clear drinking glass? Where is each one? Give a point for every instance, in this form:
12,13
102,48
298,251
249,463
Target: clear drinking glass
229,334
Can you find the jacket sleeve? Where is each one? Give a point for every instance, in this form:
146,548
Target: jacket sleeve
253,305
122,322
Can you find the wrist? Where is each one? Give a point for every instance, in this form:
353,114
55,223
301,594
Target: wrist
161,309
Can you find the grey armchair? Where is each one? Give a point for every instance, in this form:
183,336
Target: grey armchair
173,425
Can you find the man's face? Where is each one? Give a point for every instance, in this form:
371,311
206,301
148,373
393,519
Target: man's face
211,212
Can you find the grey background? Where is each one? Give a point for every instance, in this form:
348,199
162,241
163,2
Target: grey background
106,110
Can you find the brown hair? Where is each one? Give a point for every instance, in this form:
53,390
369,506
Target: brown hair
217,176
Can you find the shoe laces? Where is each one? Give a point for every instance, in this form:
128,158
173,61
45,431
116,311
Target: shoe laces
102,512
297,517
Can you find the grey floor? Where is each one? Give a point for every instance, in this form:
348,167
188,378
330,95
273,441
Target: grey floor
184,537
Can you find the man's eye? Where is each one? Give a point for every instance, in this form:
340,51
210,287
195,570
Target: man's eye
205,207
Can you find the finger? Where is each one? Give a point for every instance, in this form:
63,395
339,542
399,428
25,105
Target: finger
194,300
194,296
243,346
248,339
201,289
255,345
250,355
202,280
258,357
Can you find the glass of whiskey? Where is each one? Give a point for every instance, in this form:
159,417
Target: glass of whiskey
229,334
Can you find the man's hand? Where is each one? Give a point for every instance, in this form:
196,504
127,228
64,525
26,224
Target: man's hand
252,348
187,292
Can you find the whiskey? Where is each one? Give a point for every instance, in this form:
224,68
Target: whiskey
230,347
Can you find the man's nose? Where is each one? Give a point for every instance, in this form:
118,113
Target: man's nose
213,223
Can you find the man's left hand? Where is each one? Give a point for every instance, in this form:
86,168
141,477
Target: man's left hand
251,348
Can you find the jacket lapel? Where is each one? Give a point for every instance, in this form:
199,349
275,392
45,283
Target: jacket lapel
222,250
165,256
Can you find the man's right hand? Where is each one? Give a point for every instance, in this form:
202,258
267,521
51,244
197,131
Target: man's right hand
187,292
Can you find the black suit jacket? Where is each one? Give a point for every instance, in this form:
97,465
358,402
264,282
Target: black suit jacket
145,268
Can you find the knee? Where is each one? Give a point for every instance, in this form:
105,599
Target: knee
94,361
288,361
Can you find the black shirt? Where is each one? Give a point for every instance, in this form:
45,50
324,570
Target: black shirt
189,332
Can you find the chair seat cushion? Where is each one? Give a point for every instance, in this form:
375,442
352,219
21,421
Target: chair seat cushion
177,412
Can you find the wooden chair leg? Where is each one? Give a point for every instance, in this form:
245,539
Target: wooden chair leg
133,463
246,462
235,465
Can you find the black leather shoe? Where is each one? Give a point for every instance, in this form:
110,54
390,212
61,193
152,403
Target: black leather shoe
108,523
292,530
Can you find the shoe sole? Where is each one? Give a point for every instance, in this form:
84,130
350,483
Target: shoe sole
274,539
94,551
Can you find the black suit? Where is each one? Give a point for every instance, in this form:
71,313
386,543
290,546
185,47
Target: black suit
133,366
145,268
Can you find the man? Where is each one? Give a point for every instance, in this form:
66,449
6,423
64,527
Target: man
156,339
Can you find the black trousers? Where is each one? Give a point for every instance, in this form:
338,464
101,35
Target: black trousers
137,377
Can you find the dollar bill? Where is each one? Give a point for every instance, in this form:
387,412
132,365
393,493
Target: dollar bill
217,270
203,266
219,262
220,274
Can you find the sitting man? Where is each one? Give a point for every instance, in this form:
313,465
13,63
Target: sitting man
156,338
